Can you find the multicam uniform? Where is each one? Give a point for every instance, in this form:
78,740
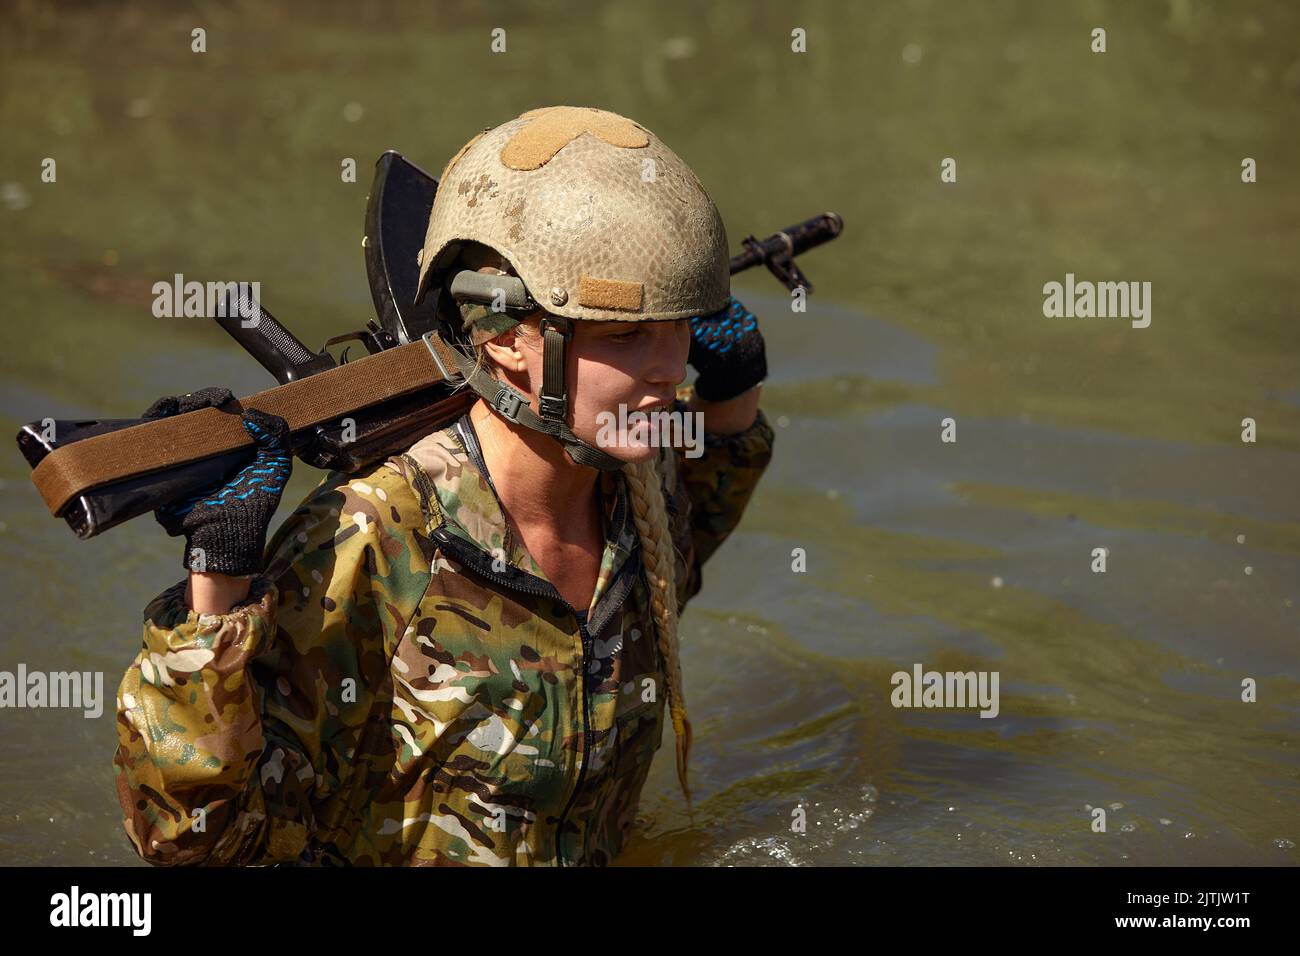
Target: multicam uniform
403,686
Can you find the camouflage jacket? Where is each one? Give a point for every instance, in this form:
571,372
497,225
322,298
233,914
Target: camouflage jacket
403,686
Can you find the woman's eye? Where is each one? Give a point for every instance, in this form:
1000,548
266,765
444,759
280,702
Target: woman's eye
624,336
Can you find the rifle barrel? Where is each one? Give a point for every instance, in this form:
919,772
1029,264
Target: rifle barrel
790,241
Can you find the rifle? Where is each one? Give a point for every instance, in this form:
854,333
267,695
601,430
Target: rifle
343,416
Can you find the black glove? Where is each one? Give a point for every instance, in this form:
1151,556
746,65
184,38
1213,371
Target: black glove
727,350
225,526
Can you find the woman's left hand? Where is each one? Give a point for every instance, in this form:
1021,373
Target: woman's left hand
727,350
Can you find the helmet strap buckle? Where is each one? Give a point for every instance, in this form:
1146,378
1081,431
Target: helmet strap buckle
508,401
553,400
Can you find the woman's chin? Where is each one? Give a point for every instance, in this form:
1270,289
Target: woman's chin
634,454
631,449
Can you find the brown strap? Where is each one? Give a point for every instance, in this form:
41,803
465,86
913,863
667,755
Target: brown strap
75,469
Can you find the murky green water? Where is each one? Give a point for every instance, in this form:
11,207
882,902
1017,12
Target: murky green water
1118,690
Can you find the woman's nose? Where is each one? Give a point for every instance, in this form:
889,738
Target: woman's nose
668,351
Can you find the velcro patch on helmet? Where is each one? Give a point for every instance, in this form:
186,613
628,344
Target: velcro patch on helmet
610,294
551,128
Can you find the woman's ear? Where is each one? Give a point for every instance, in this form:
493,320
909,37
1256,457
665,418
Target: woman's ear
504,351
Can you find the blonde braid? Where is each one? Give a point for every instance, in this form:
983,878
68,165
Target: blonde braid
657,551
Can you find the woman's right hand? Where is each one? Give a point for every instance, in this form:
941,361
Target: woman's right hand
225,526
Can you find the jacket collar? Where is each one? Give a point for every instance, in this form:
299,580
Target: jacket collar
452,460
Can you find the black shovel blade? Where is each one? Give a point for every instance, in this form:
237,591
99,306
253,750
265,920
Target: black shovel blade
397,214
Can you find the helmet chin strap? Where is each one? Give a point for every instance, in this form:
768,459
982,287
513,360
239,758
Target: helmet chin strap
513,405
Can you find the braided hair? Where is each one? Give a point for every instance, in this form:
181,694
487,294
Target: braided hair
651,518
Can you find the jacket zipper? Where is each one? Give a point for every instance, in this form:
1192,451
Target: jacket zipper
587,740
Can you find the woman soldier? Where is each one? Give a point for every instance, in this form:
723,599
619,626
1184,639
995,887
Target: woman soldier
463,654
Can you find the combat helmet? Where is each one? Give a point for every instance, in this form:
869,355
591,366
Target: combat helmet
597,219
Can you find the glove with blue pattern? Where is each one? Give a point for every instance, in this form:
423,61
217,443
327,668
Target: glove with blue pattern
225,527
727,350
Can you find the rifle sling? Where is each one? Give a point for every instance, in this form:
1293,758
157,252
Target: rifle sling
328,396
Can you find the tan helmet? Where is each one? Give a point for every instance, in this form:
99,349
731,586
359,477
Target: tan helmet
597,216
599,220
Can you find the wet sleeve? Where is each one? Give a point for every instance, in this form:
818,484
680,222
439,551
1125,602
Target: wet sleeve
235,730
711,492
